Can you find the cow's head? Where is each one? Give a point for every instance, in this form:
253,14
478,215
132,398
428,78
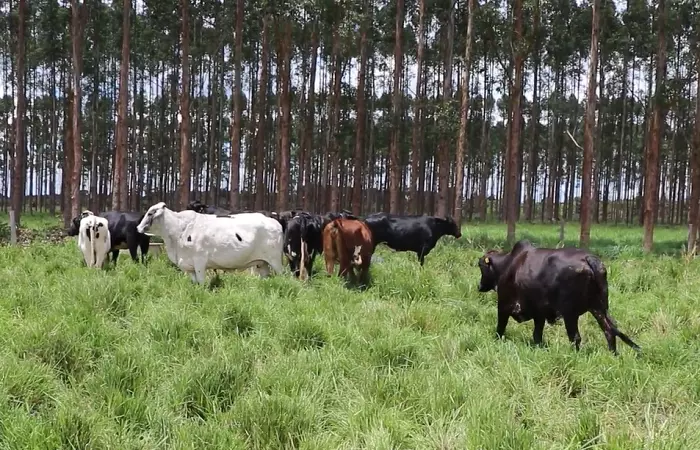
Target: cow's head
74,227
489,264
452,227
153,214
197,206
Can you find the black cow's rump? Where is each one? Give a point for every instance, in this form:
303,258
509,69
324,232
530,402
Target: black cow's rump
545,284
307,227
417,234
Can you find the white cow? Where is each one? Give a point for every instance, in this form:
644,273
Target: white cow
197,242
94,240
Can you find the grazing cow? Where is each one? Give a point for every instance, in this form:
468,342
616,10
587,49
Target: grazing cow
197,242
546,284
417,234
93,239
122,232
282,217
201,208
303,240
349,243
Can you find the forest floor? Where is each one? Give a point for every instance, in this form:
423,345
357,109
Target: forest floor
140,358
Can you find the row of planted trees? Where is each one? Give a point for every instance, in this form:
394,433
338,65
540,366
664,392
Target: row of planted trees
484,109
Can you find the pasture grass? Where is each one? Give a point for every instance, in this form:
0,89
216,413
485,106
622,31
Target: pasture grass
140,358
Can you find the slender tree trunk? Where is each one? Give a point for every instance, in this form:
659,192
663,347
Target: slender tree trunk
443,146
334,124
76,176
394,169
261,121
361,123
651,185
185,143
416,154
309,123
18,181
285,114
237,125
694,216
512,159
119,185
531,179
588,128
464,114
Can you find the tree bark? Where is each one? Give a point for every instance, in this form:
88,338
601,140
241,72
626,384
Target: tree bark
651,184
309,123
417,131
394,170
515,122
260,120
285,60
119,185
77,162
443,147
237,125
588,127
361,122
694,216
185,144
531,179
18,181
464,114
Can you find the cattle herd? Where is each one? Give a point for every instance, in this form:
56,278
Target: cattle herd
531,283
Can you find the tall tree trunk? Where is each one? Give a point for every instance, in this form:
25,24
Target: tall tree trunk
361,122
694,216
285,60
588,128
260,120
20,145
651,185
464,114
185,143
76,175
334,124
531,179
416,154
237,125
515,122
443,160
394,170
119,185
309,123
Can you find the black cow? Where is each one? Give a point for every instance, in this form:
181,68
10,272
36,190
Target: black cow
308,227
282,217
548,284
202,208
122,233
417,234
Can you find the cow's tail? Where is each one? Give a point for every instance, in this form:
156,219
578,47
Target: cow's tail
91,231
303,275
600,275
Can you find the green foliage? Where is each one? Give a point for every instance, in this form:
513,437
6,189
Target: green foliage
139,357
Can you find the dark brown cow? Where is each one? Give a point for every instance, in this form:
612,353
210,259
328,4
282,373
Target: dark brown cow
546,284
349,243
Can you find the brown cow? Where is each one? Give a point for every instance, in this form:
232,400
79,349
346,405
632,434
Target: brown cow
349,243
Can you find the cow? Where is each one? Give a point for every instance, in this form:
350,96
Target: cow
349,243
202,208
303,240
197,242
282,217
93,239
123,234
413,233
548,284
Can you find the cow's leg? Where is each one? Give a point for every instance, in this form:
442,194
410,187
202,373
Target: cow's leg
200,271
539,329
115,255
571,324
144,245
264,270
609,333
329,264
503,316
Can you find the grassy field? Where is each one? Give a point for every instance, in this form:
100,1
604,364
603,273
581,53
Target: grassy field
142,358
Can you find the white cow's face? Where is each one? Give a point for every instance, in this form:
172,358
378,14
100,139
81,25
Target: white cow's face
153,213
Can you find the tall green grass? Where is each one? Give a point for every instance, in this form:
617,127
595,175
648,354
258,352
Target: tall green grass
139,357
